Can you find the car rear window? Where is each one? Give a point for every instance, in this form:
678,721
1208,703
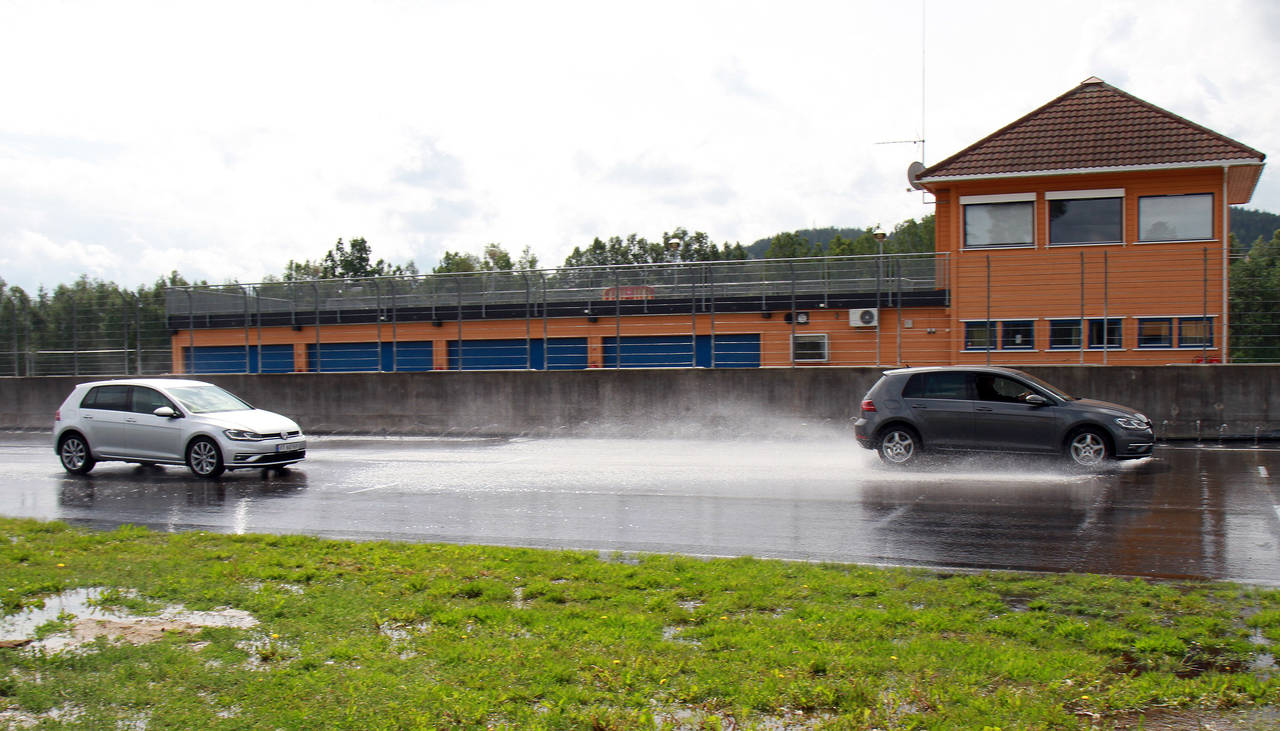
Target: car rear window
111,398
942,384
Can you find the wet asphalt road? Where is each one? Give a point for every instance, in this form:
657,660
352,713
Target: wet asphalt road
1188,512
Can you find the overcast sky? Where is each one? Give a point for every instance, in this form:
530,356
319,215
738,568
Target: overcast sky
222,139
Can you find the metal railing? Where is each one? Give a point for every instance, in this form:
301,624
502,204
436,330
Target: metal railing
87,330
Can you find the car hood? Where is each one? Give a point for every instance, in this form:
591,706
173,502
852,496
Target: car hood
256,420
1107,407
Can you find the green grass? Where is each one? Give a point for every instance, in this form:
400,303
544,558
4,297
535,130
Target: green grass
407,636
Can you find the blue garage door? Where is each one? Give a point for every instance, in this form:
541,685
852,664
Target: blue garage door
232,359
555,354
731,351
678,351
649,351
348,357
565,354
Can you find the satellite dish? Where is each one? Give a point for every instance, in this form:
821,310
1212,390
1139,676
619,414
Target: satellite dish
913,174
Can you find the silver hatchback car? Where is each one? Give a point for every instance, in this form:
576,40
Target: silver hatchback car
984,408
167,421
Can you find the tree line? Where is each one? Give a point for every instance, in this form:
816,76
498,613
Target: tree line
122,323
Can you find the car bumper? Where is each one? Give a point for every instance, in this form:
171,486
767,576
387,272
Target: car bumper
264,454
1134,445
863,433
273,459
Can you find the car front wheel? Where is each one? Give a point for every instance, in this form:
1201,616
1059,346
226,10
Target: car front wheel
204,458
74,453
899,446
1087,448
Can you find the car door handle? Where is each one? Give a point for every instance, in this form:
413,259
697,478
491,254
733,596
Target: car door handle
131,420
985,408
919,406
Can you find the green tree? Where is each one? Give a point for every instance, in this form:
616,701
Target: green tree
1255,304
790,246
346,261
494,258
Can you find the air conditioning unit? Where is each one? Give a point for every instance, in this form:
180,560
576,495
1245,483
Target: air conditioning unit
869,317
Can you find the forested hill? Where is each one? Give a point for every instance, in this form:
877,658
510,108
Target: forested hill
1249,225
819,236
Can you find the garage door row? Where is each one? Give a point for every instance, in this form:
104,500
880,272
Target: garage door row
659,351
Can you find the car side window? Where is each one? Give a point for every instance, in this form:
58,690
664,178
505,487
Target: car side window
991,387
109,398
147,400
942,384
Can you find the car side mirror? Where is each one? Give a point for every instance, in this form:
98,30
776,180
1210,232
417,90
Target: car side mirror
1036,399
166,412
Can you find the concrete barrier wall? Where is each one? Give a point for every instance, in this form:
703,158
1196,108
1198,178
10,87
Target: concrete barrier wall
781,402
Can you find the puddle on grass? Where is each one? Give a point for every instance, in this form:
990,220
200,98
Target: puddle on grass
86,621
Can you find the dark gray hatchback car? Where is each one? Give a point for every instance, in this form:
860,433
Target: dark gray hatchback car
982,408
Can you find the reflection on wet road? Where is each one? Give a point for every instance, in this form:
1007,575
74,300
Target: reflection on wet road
1212,513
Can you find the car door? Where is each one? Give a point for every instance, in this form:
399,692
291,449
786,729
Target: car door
1004,421
102,415
157,437
941,406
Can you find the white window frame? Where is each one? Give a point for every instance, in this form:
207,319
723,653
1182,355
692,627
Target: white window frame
1213,216
978,200
811,338
1060,195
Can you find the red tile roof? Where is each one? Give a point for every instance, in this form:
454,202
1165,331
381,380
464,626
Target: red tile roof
1095,125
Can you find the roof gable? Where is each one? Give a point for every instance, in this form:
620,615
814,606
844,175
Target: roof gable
1093,126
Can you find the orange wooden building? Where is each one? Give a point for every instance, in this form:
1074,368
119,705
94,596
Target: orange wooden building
1092,230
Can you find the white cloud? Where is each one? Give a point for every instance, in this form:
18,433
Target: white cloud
223,140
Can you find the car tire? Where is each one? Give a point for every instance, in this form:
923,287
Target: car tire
204,458
898,445
74,453
1088,448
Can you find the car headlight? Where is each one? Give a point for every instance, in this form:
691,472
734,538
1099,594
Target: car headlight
1137,423
240,435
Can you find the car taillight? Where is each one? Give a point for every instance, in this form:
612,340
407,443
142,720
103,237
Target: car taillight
868,405
57,415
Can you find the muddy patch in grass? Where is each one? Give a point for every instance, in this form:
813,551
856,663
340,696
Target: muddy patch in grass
77,617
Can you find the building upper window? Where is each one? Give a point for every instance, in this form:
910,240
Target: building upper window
1086,216
999,220
1175,217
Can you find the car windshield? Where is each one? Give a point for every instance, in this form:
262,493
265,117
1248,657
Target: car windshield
1049,387
205,399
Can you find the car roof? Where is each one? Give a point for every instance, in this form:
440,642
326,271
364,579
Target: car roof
955,369
153,382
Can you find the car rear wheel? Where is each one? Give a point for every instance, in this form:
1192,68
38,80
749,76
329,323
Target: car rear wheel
74,453
204,458
1087,448
899,445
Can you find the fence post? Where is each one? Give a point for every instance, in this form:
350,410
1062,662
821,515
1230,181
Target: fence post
528,323
315,291
377,314
693,317
791,346
617,319
457,284
189,364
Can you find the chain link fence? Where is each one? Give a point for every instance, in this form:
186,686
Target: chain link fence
681,315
